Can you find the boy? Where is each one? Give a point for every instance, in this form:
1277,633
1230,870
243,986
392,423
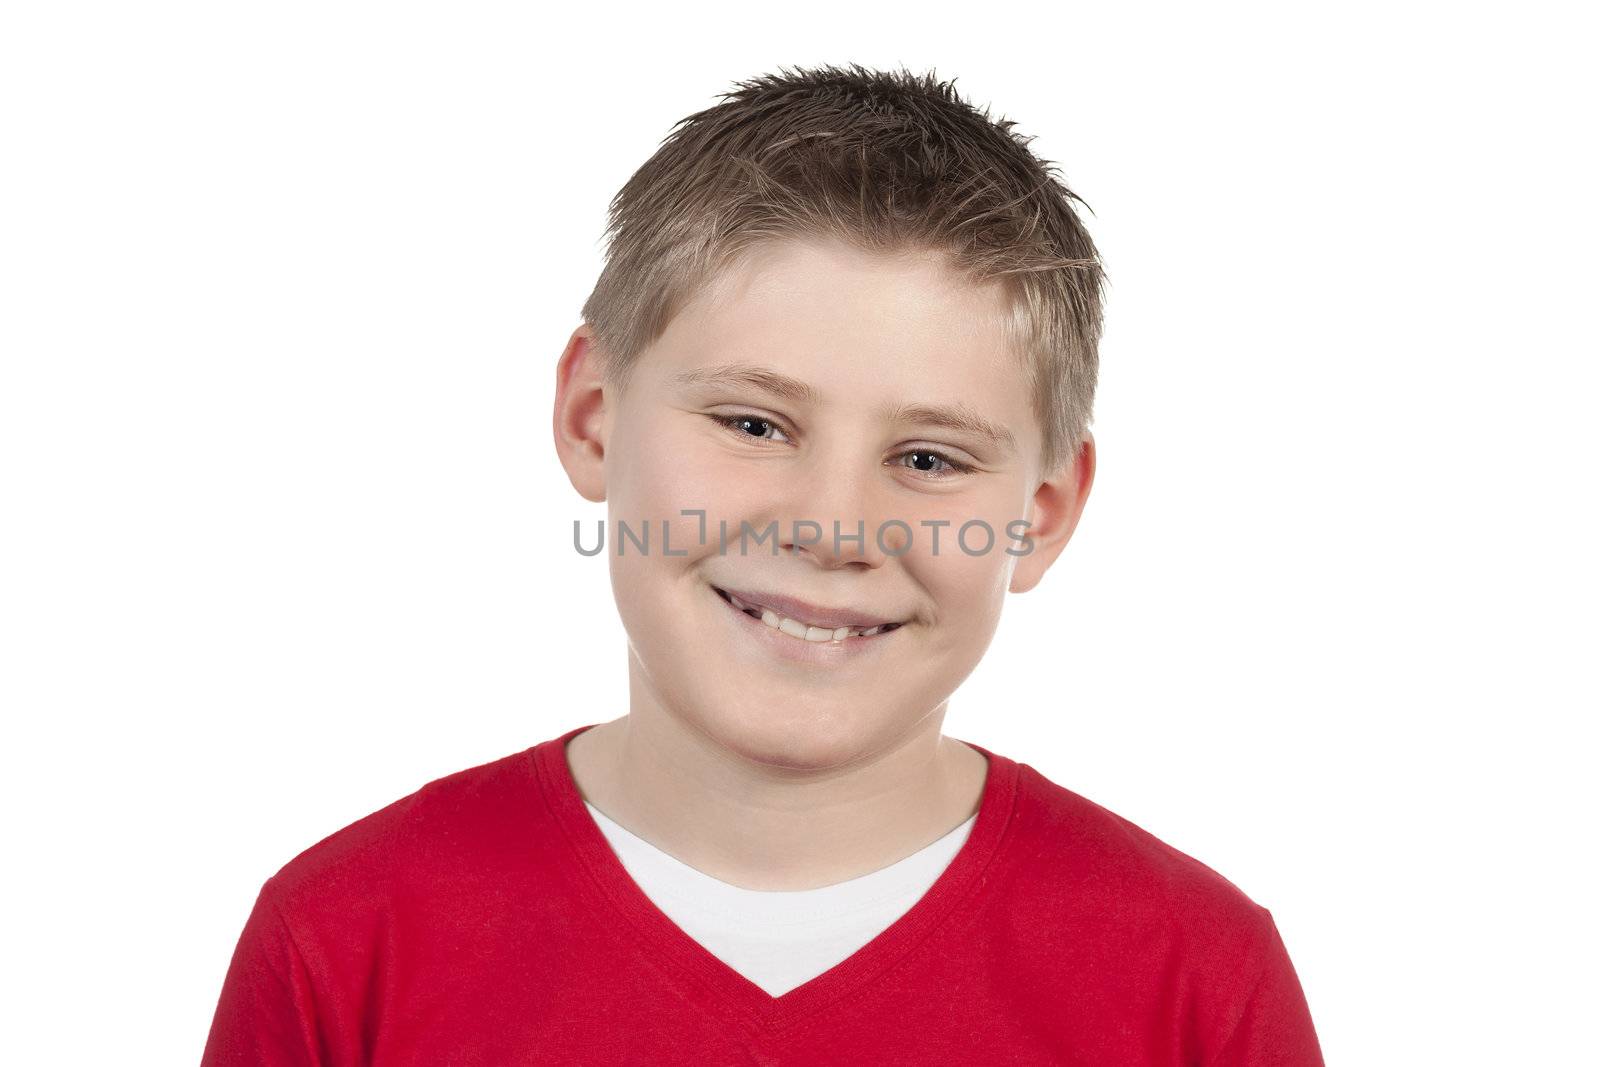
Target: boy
846,325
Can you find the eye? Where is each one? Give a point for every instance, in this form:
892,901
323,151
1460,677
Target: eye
748,425
950,467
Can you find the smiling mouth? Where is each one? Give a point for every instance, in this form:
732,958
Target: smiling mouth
802,631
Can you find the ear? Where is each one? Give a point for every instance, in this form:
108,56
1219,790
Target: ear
580,410
1057,505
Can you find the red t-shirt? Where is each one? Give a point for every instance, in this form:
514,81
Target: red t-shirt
484,919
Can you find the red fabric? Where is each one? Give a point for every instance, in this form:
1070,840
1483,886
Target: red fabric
484,919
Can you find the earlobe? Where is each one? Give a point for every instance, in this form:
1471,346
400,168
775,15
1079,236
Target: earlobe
579,416
1057,505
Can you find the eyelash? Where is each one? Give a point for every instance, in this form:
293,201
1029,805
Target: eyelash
956,467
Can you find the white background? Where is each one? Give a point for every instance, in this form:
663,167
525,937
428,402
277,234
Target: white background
285,536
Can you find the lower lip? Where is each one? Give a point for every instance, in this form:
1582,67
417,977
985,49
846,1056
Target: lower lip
801,651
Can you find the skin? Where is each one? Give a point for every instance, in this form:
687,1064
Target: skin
757,770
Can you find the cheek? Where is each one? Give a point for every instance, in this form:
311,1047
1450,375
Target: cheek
968,590
703,474
666,469
659,471
968,586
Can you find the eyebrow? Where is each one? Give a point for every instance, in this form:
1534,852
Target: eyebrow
958,417
771,381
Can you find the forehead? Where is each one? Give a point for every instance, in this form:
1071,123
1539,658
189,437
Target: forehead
835,285
854,324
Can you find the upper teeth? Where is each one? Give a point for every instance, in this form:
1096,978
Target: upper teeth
795,628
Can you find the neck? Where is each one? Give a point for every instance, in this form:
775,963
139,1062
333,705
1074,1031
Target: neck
761,826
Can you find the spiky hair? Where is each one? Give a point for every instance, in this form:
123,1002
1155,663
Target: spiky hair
888,162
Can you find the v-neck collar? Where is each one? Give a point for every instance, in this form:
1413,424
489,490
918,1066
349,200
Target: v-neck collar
720,988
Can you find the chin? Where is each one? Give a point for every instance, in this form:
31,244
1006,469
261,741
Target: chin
819,737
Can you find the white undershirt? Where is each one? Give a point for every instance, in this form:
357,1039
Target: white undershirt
780,939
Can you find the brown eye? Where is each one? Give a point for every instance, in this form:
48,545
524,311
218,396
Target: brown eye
748,426
942,465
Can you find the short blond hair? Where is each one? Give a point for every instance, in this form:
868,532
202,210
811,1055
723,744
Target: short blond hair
888,162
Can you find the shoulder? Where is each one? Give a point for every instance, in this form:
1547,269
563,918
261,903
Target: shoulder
424,834
1083,854
1100,902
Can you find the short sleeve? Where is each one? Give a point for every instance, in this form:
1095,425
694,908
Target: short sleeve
1274,1028
265,1014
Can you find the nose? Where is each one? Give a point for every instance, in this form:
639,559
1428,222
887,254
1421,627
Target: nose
838,511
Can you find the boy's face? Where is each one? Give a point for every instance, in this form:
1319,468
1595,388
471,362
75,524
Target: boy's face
868,337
